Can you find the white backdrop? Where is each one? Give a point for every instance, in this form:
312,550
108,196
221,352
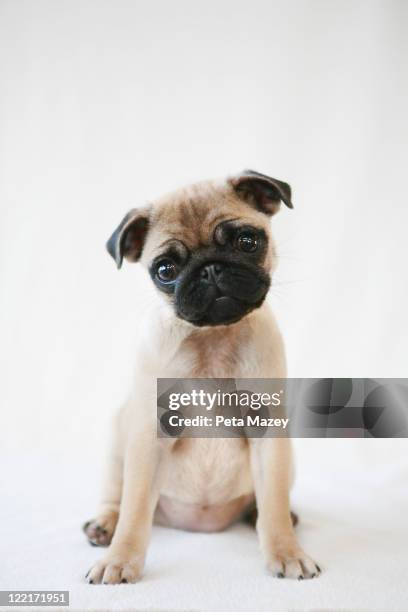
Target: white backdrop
107,104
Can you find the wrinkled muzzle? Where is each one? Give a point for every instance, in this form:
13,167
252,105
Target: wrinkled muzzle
218,293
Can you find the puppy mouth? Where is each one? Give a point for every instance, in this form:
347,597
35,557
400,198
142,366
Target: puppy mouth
224,310
220,296
234,309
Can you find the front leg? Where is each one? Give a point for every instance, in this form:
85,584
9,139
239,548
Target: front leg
142,469
271,463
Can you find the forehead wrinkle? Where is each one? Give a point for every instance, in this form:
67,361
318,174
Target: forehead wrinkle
192,213
190,221
175,243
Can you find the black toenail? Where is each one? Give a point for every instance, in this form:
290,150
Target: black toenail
123,581
318,568
280,575
300,577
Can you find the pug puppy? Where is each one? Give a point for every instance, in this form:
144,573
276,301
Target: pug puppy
209,251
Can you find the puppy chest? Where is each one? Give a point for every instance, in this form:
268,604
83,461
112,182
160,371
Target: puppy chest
208,471
217,352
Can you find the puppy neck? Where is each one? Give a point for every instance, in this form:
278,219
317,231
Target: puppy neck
174,348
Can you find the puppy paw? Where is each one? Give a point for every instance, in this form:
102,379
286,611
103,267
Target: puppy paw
100,531
115,570
292,563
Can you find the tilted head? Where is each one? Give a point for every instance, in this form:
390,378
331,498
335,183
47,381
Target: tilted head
208,247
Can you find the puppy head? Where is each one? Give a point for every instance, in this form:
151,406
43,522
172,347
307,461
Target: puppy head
208,247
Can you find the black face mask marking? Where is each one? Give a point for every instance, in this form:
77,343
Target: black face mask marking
216,284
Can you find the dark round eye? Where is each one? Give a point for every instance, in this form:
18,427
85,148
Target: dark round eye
247,242
166,271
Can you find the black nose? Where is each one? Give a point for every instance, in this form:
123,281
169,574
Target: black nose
211,272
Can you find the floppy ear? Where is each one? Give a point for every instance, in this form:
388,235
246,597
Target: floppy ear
128,238
262,191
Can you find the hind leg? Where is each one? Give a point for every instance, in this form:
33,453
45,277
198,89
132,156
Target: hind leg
100,529
251,516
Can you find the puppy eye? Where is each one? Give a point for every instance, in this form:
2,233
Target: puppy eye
166,271
247,242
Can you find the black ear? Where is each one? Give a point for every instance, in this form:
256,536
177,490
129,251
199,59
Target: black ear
128,238
264,192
